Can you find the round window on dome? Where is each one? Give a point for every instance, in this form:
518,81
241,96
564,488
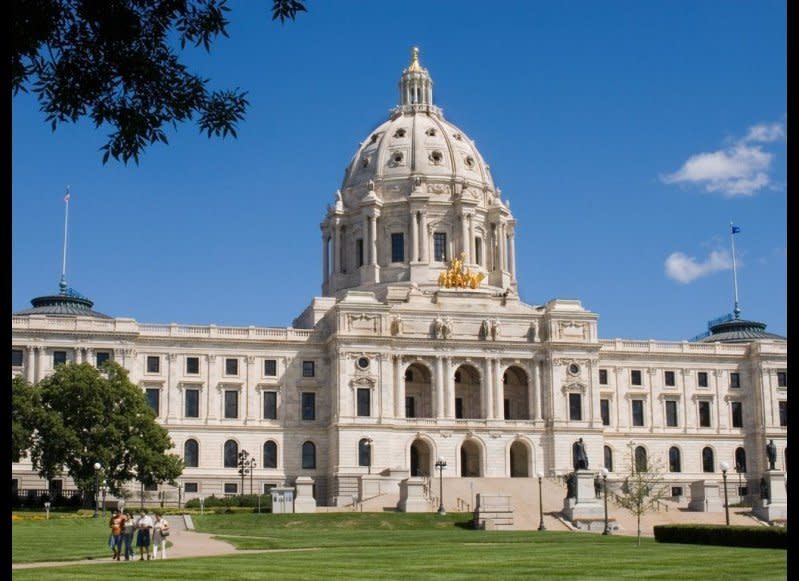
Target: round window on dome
365,162
437,157
431,132
374,138
397,158
399,133
457,136
363,362
469,161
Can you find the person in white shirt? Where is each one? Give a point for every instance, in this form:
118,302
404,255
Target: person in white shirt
160,533
145,527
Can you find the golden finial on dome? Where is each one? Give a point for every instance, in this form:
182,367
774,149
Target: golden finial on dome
415,67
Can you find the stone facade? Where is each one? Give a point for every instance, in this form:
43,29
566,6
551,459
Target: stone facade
494,386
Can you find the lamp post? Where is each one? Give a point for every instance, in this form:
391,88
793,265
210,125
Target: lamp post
97,467
606,531
441,464
252,469
104,488
724,467
369,461
541,526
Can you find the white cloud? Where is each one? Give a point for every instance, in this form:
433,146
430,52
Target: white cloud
686,269
738,170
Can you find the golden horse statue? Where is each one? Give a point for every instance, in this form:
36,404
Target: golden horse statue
456,277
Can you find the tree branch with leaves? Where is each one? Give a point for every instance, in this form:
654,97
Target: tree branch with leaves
642,490
114,62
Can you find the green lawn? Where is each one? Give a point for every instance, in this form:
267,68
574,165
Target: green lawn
418,546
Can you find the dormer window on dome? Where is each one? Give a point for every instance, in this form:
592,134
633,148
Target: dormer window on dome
400,133
431,132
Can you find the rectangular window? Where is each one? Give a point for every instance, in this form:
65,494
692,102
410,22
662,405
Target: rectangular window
458,407
270,367
270,405
671,413
478,250
397,247
359,252
192,365
668,378
231,366
308,369
59,358
410,407
192,403
231,403
308,406
604,410
440,246
701,379
704,414
737,414
506,408
101,357
190,487
782,379
364,403
603,377
676,491
638,412
154,398
231,488
784,414
16,358
575,407
735,380
153,364
635,377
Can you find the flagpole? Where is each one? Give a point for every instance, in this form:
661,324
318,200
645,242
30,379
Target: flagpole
63,283
737,310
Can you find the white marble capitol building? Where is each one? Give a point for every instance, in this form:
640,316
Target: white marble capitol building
406,359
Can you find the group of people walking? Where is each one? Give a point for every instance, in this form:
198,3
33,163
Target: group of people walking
150,533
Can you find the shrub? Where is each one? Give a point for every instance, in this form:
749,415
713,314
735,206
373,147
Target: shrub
242,501
730,536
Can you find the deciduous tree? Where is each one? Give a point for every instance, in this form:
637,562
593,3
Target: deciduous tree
23,402
642,490
88,415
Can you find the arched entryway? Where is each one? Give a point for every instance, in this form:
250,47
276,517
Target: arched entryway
519,460
516,394
468,403
421,455
418,392
470,459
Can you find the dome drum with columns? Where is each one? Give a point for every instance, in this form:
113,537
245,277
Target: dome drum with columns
416,194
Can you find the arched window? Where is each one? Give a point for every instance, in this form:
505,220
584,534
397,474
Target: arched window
231,454
640,459
740,460
674,459
364,453
308,456
270,454
608,459
707,460
190,454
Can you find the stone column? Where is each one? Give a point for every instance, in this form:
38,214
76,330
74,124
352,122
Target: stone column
365,238
543,409
325,255
512,258
472,256
78,355
535,390
399,388
486,393
373,239
449,389
171,386
499,391
211,411
424,253
30,363
337,248
439,411
465,239
414,242
88,356
530,397
503,247
250,395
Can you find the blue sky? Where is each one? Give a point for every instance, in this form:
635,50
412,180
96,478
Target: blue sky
626,135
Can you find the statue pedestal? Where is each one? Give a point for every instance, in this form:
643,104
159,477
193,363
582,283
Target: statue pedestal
493,512
304,500
585,505
705,497
412,496
776,507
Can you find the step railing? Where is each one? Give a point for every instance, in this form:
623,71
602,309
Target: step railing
462,505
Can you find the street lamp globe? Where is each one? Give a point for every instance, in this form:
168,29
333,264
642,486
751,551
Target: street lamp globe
539,474
604,472
725,466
